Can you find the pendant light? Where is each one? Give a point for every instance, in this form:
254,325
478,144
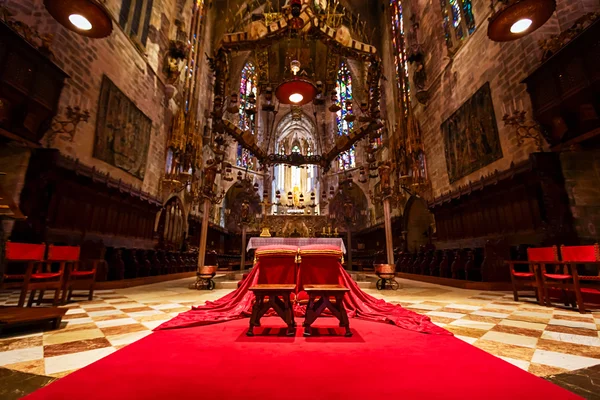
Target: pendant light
86,17
517,18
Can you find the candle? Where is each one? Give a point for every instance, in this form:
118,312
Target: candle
336,231
330,230
324,232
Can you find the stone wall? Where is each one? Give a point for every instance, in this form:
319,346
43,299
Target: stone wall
454,78
136,72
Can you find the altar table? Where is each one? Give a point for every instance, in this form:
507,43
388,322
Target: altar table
257,242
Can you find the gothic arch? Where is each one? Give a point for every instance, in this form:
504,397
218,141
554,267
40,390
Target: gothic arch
418,222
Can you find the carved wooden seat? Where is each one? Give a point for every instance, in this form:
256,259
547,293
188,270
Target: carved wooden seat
315,307
22,253
276,297
530,278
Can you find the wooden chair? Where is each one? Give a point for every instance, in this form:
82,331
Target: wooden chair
22,253
321,277
570,281
77,277
275,285
47,276
531,278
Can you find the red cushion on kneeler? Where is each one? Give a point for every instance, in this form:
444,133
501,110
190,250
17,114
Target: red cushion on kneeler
82,273
523,274
558,276
276,264
46,275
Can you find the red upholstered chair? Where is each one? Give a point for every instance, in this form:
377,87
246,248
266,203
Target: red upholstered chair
320,265
20,253
79,275
570,279
277,264
51,274
530,278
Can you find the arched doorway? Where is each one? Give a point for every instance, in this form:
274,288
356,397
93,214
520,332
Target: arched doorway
419,224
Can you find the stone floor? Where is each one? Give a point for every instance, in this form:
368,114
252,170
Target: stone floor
544,341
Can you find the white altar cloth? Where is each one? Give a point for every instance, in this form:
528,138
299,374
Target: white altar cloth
257,242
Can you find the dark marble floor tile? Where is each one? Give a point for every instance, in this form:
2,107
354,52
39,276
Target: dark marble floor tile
15,384
584,382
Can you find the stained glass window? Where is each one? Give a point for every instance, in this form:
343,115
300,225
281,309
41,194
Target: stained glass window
346,159
458,22
247,85
399,50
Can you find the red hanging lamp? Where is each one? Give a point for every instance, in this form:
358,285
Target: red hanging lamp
517,18
86,17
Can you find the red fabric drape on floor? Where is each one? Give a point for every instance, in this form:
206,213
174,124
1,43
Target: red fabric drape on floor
318,268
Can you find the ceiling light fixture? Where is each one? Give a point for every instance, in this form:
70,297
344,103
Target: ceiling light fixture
521,25
80,22
86,17
516,18
296,98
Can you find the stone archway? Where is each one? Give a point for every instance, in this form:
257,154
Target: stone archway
418,222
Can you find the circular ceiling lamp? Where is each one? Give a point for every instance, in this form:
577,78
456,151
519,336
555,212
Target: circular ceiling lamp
296,91
86,17
517,18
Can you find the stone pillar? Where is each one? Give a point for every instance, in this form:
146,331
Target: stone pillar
389,243
203,233
349,250
243,262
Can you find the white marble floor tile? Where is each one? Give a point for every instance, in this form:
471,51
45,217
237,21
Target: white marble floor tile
78,321
69,362
445,314
116,322
524,365
490,314
425,306
562,360
144,313
509,338
533,314
21,355
463,307
522,324
127,338
570,338
103,313
153,324
467,339
573,324
467,323
75,310
166,306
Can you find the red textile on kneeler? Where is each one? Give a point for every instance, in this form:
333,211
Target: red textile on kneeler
319,265
322,265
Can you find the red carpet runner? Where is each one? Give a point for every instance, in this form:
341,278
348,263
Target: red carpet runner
359,304
379,362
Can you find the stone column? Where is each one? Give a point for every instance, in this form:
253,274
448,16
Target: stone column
389,244
203,233
243,262
349,250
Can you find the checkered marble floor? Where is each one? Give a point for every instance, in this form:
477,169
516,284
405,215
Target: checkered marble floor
541,340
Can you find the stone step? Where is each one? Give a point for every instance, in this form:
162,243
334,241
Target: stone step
230,280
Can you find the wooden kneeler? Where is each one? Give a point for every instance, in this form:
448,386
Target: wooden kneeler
316,307
283,308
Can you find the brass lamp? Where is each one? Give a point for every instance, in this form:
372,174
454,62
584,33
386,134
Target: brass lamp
86,17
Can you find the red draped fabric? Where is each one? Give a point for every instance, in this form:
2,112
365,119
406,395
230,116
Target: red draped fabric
319,265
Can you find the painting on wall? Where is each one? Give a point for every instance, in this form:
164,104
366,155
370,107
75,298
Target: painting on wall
122,131
471,136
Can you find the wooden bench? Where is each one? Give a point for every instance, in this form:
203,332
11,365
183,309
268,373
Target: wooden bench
315,307
15,316
283,308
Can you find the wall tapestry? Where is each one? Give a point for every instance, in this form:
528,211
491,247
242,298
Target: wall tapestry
122,131
471,136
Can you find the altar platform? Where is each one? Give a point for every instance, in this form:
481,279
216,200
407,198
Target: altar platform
256,242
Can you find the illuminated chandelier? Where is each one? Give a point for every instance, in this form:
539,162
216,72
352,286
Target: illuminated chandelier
297,90
517,18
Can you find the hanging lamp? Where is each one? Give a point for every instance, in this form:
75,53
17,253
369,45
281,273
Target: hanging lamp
517,18
86,17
